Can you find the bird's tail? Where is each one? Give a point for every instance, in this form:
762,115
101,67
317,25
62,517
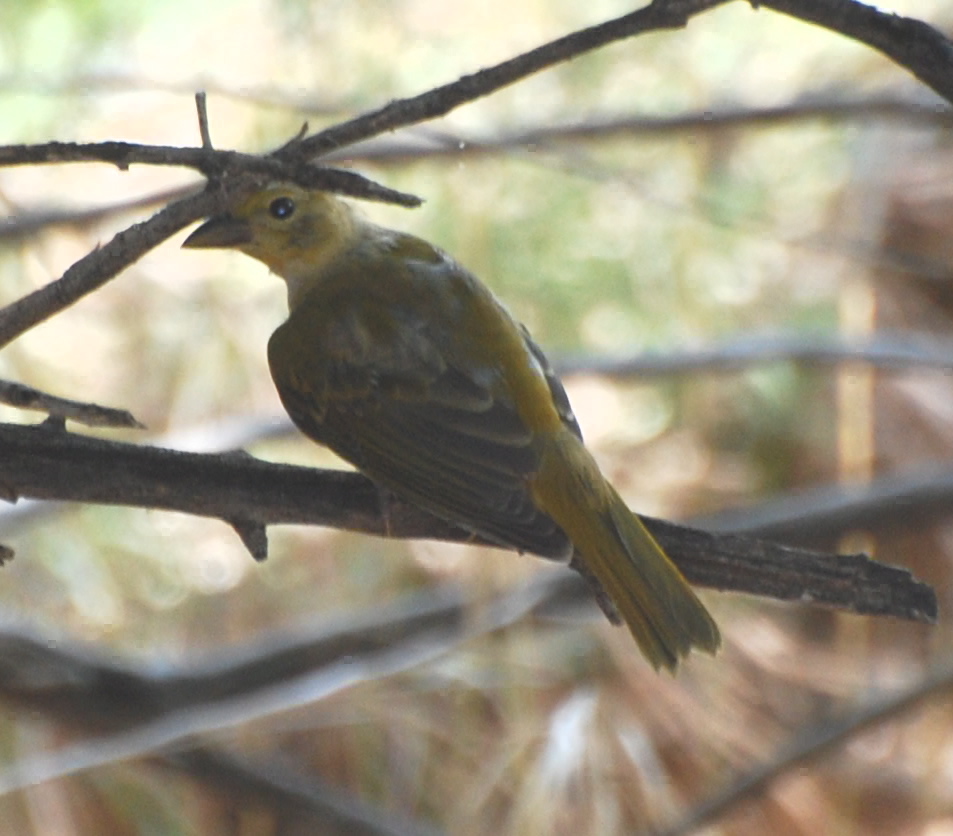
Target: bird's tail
655,601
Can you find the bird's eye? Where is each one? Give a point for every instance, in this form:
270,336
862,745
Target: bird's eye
281,208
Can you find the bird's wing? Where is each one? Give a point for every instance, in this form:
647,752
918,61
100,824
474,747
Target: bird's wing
432,433
556,388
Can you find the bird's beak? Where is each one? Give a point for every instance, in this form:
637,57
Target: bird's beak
220,231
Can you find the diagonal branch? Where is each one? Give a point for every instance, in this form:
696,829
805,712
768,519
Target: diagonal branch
659,15
142,713
103,264
910,43
810,746
98,267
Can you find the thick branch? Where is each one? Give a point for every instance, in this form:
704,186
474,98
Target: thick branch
44,464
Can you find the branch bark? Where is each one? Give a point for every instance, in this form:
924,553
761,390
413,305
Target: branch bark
912,44
43,463
98,267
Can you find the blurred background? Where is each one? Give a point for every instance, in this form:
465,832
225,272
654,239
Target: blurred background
750,194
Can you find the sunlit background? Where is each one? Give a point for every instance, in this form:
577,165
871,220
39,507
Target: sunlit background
616,244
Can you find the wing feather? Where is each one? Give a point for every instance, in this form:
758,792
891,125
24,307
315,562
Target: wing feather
367,377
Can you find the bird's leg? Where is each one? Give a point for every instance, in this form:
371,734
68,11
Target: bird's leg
602,597
385,498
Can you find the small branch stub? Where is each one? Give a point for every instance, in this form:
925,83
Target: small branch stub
254,537
202,108
89,414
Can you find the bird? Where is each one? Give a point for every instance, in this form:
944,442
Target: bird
406,365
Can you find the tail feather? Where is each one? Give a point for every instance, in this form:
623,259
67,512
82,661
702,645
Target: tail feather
674,613
662,612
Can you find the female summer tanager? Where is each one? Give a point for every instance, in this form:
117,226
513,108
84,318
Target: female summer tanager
406,365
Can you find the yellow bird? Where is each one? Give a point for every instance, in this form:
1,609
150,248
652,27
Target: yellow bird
407,366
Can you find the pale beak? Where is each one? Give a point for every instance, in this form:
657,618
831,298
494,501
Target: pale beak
220,231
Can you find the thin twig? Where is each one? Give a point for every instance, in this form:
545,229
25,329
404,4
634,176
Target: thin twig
661,14
425,144
202,109
210,162
27,223
88,414
820,515
886,351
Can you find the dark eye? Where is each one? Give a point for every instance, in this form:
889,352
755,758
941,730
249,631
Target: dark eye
281,208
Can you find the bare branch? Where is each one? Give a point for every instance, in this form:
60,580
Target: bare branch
88,414
202,108
661,14
420,143
430,144
816,516
98,267
905,40
38,463
125,154
210,162
31,221
913,44
910,43
95,269
886,351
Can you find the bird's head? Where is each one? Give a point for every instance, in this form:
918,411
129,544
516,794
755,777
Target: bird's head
290,229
